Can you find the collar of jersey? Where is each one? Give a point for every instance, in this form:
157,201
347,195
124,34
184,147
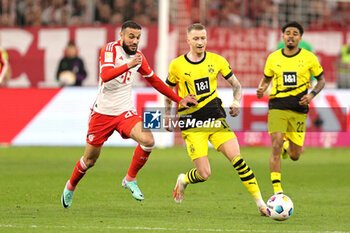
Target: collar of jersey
290,55
192,62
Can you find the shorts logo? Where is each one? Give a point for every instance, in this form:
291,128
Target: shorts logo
91,137
152,119
192,149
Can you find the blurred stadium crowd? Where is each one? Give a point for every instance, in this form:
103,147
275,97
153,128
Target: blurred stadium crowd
316,14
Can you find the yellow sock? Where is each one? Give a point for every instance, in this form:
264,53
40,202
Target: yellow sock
286,144
192,177
247,177
276,182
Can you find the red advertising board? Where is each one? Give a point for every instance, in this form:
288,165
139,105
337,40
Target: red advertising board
42,116
35,52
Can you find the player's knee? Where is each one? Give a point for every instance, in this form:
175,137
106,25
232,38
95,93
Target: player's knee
147,141
90,162
295,156
276,148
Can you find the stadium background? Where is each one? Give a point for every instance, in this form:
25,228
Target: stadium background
36,32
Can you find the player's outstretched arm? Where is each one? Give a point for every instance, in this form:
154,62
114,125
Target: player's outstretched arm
160,86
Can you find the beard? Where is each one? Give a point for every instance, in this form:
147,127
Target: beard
128,51
290,47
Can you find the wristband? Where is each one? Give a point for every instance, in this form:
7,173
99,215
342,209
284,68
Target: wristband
236,102
314,93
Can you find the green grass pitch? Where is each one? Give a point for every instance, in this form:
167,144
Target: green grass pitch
32,180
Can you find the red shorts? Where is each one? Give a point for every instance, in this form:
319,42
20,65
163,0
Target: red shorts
101,127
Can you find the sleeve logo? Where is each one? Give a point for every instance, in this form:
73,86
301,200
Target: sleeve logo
108,57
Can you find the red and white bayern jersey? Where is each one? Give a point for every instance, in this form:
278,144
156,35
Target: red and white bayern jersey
115,97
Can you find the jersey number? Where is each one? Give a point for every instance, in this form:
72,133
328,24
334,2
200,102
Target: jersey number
300,127
202,86
290,79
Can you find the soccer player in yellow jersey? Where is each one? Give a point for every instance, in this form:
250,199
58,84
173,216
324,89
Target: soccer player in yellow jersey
5,69
289,70
196,73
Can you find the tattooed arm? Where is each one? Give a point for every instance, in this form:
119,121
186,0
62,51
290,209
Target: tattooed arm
237,95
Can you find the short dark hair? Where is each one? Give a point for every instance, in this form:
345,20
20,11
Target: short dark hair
295,25
131,24
195,26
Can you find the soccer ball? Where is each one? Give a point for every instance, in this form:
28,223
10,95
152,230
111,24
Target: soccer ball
280,207
67,78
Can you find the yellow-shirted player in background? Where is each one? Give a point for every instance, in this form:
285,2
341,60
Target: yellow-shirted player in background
5,69
289,70
196,73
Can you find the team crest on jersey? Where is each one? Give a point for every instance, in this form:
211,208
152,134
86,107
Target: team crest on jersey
210,69
108,57
91,137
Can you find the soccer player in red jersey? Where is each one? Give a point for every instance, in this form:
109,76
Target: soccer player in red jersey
113,109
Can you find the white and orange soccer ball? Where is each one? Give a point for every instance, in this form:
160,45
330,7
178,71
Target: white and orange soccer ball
67,78
280,207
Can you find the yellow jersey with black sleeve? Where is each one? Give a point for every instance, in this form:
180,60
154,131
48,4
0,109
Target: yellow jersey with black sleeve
4,55
291,78
199,79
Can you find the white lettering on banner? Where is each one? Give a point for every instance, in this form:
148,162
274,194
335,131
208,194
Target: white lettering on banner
53,42
16,39
43,47
257,64
70,109
328,139
20,41
245,61
318,41
89,42
253,138
228,38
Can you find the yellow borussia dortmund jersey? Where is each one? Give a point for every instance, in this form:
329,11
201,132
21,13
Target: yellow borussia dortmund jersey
198,78
291,78
4,54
